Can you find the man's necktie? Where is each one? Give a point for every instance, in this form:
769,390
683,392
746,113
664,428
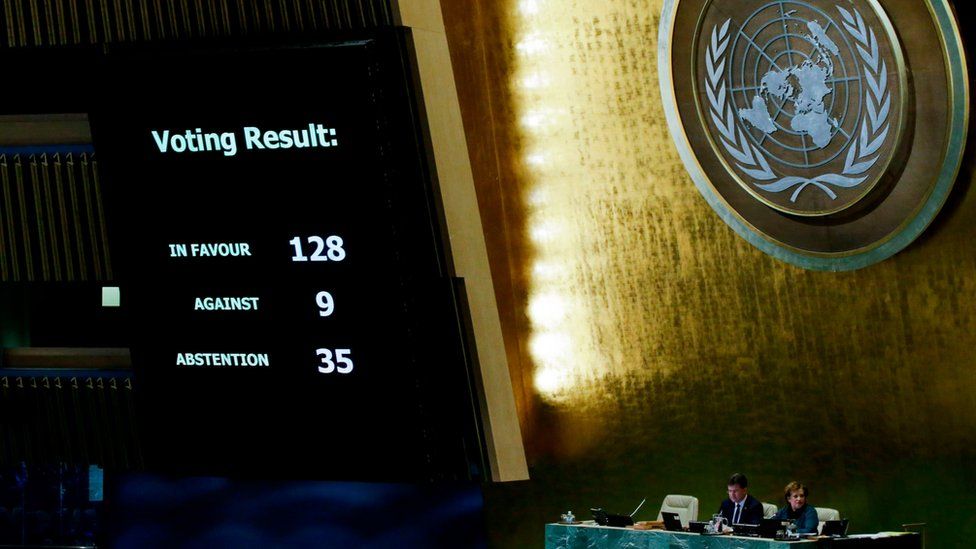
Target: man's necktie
737,514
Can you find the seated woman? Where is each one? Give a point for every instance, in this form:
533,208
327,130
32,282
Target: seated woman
796,509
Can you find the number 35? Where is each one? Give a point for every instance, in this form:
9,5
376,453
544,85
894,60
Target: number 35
334,362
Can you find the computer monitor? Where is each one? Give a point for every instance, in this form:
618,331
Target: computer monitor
672,522
836,528
770,526
604,518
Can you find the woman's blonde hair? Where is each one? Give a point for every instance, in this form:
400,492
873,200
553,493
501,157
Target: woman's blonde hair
795,487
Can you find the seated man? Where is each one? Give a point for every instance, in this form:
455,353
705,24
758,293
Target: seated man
740,507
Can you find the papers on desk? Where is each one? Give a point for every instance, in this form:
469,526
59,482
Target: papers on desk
879,535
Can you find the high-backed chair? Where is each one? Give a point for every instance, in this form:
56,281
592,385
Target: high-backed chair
685,506
769,510
826,513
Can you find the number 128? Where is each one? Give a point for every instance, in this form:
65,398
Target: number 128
327,249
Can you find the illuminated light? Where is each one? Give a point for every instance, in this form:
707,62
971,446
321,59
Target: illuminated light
547,310
532,46
529,7
111,296
537,197
550,380
571,156
549,344
535,81
545,231
533,120
547,271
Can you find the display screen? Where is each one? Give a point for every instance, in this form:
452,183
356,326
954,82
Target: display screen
275,240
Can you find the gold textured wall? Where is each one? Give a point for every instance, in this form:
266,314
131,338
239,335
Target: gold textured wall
652,350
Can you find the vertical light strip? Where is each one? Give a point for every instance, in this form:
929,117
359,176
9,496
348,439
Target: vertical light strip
545,94
584,96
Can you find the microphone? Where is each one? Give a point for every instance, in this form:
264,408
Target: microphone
638,507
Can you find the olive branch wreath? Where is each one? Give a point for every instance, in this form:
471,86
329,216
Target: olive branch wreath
751,160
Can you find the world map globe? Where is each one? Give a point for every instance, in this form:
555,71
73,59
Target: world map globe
791,79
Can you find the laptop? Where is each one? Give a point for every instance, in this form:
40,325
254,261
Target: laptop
672,522
770,526
834,528
604,518
697,526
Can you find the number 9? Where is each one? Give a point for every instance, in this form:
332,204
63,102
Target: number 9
325,303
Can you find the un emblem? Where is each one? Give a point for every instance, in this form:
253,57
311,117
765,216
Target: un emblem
802,103
799,119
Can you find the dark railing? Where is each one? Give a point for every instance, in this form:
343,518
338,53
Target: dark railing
76,408
68,22
53,227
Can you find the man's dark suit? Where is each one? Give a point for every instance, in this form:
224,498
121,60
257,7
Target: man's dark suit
752,511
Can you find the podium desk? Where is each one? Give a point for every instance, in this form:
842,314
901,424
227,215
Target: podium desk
904,541
592,536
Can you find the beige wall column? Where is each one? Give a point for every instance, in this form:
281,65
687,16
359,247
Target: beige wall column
504,439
